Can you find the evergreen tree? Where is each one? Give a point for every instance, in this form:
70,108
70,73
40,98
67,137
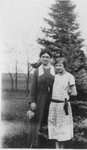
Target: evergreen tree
63,37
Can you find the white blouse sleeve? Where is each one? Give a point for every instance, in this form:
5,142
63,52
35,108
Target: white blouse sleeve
71,80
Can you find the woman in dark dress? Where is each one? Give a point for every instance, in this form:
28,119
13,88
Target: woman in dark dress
40,96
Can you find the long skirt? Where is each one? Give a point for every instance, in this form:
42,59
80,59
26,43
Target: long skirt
40,119
60,125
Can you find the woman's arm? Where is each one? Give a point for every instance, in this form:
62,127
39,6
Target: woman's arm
72,87
73,90
33,91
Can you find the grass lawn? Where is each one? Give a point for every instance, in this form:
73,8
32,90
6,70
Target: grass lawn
15,124
14,120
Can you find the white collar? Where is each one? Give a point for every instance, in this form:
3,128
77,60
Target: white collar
41,71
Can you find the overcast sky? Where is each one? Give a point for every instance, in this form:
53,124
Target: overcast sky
19,18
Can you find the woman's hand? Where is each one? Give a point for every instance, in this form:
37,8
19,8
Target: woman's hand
30,114
33,106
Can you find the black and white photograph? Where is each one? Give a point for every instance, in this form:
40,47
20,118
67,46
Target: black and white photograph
43,57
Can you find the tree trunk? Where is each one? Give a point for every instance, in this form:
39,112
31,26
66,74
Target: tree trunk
16,81
27,87
12,82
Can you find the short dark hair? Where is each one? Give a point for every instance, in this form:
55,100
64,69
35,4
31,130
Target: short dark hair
61,60
44,52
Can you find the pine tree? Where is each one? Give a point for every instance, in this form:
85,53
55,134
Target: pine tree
63,37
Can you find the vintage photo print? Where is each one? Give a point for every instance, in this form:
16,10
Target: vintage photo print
43,57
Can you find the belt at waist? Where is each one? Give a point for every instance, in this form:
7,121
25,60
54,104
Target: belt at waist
58,101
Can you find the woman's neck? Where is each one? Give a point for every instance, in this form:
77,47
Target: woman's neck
62,73
46,66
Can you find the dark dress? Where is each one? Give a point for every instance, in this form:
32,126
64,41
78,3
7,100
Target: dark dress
41,91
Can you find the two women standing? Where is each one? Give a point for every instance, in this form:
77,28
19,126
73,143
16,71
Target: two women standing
49,96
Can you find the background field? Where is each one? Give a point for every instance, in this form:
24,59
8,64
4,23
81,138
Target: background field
15,124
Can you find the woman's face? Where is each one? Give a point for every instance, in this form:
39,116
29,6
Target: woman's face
59,68
45,59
